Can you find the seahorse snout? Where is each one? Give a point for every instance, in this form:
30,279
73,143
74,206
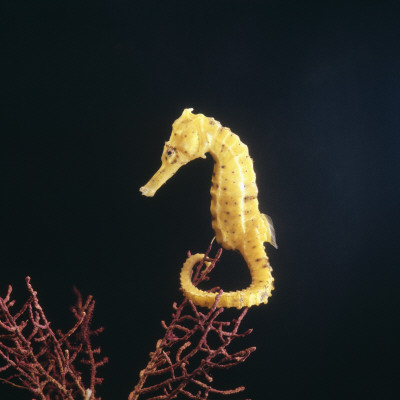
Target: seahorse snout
147,191
159,178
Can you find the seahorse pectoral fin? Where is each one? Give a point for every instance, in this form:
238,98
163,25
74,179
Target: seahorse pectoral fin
159,178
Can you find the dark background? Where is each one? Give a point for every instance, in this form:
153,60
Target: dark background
90,93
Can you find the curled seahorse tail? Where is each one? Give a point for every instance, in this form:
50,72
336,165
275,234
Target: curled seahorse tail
199,297
257,293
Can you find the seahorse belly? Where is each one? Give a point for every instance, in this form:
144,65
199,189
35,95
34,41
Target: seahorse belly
226,192
233,184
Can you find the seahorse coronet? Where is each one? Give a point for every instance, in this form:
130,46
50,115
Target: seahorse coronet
236,219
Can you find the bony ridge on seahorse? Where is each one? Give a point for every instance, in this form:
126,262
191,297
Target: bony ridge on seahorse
236,219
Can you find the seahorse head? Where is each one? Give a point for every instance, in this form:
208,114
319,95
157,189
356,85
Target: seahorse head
188,141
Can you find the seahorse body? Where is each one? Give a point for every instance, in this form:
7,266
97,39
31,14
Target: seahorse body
236,219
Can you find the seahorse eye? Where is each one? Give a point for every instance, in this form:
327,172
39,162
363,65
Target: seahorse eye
170,152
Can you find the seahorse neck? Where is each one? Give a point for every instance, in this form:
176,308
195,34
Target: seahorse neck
216,142
215,152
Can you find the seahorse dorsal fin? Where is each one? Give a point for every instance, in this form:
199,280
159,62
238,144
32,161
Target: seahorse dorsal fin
270,225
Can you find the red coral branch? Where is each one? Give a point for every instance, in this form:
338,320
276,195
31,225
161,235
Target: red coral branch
45,361
194,344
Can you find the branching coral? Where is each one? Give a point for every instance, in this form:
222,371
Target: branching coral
194,344
54,365
49,363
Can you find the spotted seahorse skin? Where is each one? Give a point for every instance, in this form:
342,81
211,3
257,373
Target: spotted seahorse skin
236,219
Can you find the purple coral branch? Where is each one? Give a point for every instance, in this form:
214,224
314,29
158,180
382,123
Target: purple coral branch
45,361
187,338
49,363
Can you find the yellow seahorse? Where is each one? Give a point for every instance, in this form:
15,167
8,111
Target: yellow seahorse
236,219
